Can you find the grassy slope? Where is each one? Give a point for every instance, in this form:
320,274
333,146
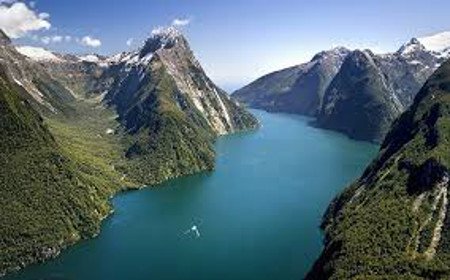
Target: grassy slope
372,228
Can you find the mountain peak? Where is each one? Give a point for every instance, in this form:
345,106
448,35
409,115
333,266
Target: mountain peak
337,51
414,41
162,38
4,39
166,33
412,46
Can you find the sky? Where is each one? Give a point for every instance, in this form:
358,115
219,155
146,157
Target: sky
235,41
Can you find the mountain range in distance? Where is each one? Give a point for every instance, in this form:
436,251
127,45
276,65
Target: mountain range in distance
357,92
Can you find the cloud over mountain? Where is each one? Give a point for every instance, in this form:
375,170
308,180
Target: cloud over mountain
89,41
181,22
17,19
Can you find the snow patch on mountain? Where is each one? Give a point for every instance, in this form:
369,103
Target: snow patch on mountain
37,54
90,58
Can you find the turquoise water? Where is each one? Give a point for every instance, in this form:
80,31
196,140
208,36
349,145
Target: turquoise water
258,214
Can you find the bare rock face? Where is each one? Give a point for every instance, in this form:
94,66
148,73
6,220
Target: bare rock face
33,79
4,39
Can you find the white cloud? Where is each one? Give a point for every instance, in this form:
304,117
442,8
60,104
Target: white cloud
57,39
68,38
130,41
436,42
181,22
52,39
17,19
89,41
44,15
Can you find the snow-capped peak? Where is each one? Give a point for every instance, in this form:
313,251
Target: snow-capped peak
170,32
163,37
412,46
37,54
437,42
337,52
90,58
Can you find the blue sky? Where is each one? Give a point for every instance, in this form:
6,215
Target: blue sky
238,41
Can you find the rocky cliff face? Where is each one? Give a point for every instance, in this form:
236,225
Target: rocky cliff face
409,68
33,81
394,221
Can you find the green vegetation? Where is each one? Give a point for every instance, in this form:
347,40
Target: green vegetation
166,141
63,154
358,101
382,226
54,188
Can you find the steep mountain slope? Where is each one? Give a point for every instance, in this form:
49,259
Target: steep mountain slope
76,130
408,68
35,84
83,76
298,89
359,101
48,201
291,90
394,221
171,108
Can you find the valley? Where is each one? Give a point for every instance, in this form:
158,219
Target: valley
123,157
76,132
259,199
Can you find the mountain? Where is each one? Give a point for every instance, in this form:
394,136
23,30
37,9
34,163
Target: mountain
397,76
168,52
173,110
394,221
297,89
408,68
75,130
359,101
36,84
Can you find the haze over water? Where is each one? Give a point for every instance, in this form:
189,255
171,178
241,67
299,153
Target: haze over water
258,213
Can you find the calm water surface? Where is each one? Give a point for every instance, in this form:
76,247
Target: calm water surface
258,214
